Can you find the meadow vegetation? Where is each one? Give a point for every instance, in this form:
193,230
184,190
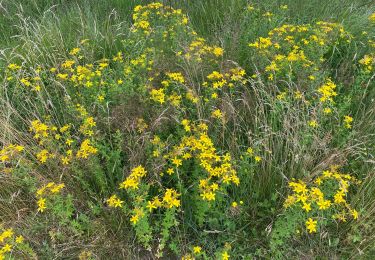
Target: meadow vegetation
216,129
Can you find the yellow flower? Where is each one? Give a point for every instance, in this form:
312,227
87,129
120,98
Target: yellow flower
225,255
327,110
134,219
366,60
68,64
186,156
281,96
65,160
6,248
299,187
100,98
19,239
348,121
261,43
311,225
151,205
217,51
103,65
318,181
69,142
354,213
170,171
268,14
217,114
138,213
177,162
298,94
41,204
6,234
234,204
313,123
306,206
258,158
197,249
25,82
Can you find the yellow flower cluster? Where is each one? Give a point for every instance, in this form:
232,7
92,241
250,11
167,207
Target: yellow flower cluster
31,80
137,214
141,125
217,114
169,200
250,152
198,145
155,20
158,95
175,91
368,62
39,129
8,154
13,66
43,155
143,62
86,75
87,127
198,49
47,191
159,146
144,16
320,197
58,142
114,202
176,77
292,48
8,242
133,180
217,81
86,149
327,91
262,43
